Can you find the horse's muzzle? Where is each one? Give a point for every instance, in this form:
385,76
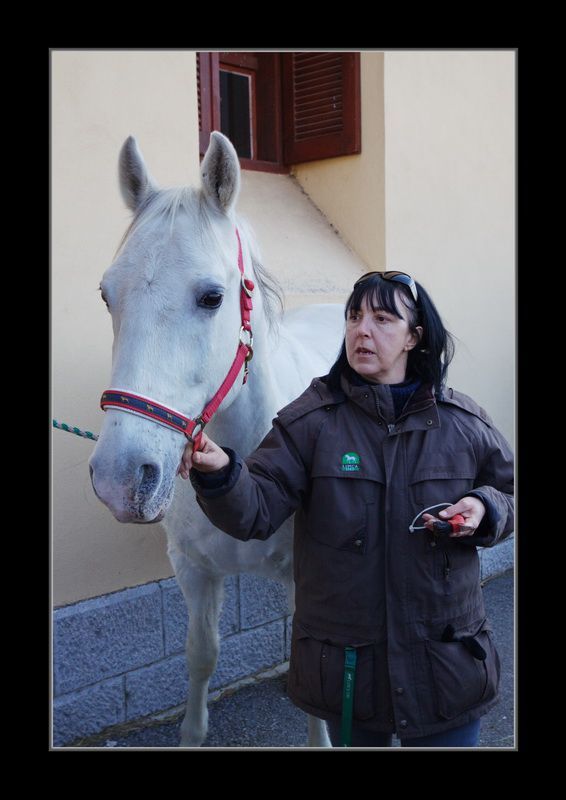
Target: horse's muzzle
139,497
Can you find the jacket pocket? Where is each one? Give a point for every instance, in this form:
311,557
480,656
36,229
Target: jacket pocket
456,565
344,499
316,675
342,519
445,481
465,670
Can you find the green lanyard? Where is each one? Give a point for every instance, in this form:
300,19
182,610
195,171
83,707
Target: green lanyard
348,696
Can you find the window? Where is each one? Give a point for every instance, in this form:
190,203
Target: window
281,108
237,95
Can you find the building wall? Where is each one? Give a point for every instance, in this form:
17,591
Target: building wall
98,99
450,205
442,156
350,190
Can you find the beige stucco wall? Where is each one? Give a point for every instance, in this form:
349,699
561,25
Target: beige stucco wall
450,205
98,99
436,174
350,190
297,243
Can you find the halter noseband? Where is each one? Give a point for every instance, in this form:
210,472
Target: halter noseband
192,428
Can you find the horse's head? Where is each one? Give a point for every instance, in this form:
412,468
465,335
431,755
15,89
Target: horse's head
173,292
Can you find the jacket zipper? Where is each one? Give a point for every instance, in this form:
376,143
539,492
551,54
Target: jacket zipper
391,426
446,570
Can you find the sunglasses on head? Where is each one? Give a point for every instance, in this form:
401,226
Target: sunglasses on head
393,275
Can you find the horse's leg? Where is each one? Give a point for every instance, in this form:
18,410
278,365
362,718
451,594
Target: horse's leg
318,734
203,594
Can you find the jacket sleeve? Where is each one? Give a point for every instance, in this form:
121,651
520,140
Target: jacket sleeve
260,492
494,486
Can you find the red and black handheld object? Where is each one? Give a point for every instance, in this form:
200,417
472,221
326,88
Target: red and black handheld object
440,527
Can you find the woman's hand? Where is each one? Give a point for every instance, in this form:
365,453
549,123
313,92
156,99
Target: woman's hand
210,458
471,508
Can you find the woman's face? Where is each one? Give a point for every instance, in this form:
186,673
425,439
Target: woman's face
378,342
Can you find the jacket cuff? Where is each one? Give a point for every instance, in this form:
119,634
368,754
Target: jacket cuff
215,484
487,533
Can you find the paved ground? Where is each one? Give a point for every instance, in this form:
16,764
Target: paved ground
260,715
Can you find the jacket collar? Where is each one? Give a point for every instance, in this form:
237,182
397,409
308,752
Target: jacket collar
421,412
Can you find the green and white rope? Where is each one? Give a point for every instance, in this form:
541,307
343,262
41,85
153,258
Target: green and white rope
77,431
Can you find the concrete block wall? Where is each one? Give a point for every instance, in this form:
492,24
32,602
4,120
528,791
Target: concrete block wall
498,559
121,656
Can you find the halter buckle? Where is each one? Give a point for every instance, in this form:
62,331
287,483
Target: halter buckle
197,430
249,344
250,353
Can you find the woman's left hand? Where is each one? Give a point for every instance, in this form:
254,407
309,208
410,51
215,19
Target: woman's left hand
471,508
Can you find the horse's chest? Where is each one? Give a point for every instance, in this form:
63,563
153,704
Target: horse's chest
216,552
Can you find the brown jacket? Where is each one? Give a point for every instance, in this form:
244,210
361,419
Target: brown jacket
411,604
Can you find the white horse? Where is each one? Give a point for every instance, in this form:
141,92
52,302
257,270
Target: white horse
174,295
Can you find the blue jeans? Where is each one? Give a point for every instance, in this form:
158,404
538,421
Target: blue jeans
464,736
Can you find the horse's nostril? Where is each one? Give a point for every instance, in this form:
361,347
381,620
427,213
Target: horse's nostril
148,478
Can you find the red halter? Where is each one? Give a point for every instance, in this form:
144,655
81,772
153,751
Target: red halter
193,428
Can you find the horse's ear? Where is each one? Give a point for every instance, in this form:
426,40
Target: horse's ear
220,172
135,181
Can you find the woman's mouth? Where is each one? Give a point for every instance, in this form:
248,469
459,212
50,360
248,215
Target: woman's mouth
363,351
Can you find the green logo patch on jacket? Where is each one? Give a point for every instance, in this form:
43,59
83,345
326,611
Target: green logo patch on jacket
350,462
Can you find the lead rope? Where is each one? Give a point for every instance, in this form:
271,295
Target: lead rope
62,426
348,696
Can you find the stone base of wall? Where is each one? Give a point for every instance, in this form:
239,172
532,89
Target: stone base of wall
120,657
498,559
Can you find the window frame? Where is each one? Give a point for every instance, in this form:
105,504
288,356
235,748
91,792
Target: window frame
272,112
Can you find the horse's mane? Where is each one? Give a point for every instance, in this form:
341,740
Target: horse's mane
165,204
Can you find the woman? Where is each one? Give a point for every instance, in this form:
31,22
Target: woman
390,633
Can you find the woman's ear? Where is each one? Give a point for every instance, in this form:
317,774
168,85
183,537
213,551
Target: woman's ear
414,337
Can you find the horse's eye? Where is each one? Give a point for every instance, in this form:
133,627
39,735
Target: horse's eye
211,300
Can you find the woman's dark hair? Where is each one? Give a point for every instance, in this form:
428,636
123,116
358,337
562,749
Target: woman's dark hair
429,359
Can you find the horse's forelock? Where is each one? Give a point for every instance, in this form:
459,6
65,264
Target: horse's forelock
162,205
165,205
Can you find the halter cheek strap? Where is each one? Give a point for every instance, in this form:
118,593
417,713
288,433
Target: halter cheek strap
192,428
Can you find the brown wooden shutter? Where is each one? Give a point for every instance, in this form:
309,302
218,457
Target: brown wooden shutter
321,106
208,91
